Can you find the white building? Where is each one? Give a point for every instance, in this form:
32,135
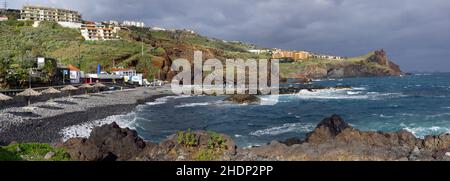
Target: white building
133,23
38,13
73,25
97,31
112,22
258,51
3,18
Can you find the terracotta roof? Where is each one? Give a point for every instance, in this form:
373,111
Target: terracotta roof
73,68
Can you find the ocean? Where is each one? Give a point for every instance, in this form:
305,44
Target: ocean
419,103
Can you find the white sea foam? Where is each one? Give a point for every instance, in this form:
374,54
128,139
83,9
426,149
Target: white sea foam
328,94
125,120
158,101
359,88
437,115
285,128
269,99
193,104
408,114
421,132
354,92
85,129
383,116
345,94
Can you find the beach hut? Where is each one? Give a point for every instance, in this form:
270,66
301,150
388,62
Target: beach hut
85,87
98,86
4,97
28,93
69,89
51,90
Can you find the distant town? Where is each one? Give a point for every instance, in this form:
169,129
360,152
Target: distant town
108,30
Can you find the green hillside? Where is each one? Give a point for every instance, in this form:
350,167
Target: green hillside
20,43
148,51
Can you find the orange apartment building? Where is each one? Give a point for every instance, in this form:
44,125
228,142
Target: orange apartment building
296,55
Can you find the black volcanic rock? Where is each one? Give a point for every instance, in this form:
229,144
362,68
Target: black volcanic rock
106,143
327,129
332,139
243,99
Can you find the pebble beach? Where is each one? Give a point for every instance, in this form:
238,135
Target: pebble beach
42,121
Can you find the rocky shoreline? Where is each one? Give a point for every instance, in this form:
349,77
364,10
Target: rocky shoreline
332,140
42,122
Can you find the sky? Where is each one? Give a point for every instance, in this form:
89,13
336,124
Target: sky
414,33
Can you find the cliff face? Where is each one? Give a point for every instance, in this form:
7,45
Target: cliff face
376,64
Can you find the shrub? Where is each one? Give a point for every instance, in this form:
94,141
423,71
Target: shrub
159,52
187,138
206,155
216,141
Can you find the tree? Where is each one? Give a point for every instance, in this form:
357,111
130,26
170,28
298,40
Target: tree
5,62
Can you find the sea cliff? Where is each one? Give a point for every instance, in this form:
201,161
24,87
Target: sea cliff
373,64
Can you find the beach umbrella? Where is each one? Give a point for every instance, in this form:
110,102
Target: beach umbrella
85,87
28,93
51,90
4,97
99,86
69,88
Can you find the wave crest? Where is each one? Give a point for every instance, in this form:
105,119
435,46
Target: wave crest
285,128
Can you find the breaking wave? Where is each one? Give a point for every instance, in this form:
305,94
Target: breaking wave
421,132
345,94
125,120
85,129
193,104
285,128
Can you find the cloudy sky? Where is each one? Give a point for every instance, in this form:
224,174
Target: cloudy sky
415,33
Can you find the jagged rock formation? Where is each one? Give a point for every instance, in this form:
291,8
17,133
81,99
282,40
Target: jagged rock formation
332,139
107,143
376,64
112,143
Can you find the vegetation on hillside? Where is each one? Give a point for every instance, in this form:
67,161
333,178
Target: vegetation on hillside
300,67
20,43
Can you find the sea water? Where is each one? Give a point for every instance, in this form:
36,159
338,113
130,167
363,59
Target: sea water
418,103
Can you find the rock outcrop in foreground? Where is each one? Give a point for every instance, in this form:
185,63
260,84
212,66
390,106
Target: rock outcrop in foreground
332,139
